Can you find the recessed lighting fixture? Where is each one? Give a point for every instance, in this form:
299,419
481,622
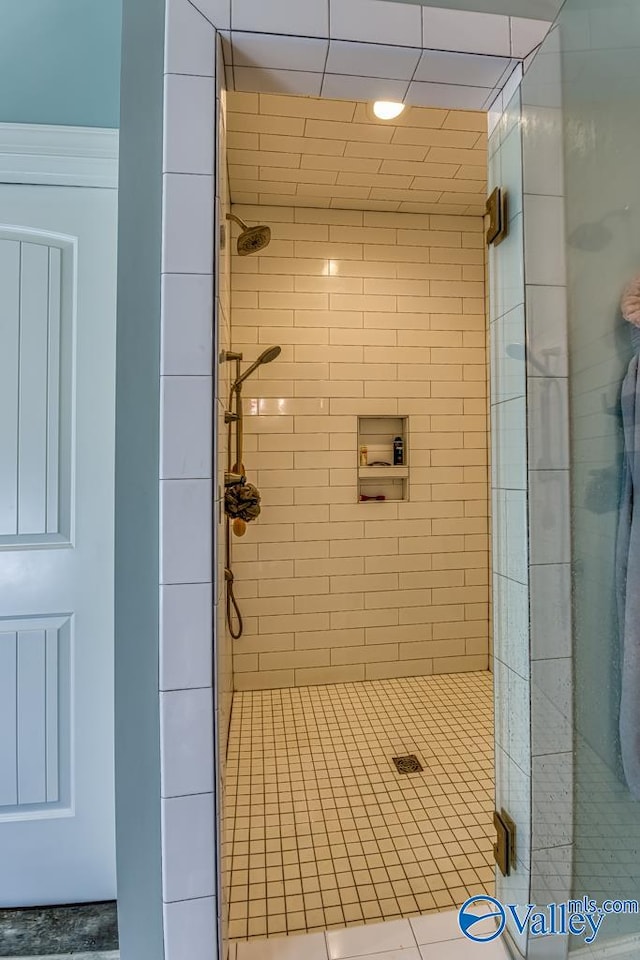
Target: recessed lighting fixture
387,109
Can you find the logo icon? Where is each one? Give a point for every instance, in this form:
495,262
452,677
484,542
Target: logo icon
479,909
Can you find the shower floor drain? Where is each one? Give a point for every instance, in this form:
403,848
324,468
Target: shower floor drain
408,764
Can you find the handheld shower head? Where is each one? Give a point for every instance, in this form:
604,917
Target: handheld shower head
252,239
265,357
268,355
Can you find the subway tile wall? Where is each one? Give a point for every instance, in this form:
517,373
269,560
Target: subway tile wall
191,709
377,313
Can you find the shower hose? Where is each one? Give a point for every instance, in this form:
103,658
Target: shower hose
232,605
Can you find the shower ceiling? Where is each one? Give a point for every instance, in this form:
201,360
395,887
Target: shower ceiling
311,152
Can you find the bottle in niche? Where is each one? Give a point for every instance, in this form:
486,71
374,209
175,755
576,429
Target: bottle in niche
398,452
363,456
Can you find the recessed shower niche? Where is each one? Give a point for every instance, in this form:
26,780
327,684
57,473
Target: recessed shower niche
383,464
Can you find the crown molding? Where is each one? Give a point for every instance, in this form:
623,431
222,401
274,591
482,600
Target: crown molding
64,156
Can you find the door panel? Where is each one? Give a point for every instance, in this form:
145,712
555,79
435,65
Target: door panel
35,717
57,385
38,278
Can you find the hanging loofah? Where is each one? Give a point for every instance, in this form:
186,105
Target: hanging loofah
630,304
242,501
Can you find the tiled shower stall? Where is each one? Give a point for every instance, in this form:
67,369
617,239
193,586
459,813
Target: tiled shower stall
379,317
530,478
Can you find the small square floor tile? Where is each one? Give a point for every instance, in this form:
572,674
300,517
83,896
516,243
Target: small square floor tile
314,803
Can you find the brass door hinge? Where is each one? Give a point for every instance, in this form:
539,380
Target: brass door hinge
498,214
504,850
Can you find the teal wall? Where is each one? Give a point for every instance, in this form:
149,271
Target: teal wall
60,62
137,589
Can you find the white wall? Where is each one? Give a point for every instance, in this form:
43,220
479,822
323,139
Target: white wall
165,759
187,491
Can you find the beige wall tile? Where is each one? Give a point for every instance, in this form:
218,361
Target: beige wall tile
264,644
292,550
413,562
381,547
454,631
334,602
338,674
294,659
403,599
401,668
295,586
436,138
372,654
325,639
264,680
365,618
254,123
431,614
404,635
341,217
460,664
245,662
274,105
421,649
432,578
465,561
370,582
294,623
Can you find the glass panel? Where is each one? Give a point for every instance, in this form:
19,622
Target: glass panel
599,42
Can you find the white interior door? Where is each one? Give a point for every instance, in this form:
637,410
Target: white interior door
57,387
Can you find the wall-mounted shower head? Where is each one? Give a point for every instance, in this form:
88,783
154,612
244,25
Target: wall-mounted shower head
252,239
265,357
